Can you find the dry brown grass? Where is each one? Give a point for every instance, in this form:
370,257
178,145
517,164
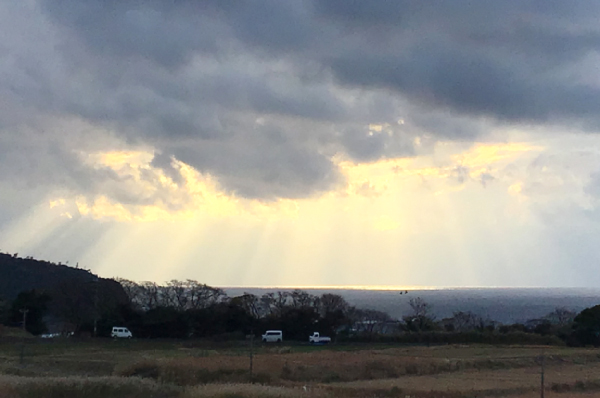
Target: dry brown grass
346,366
188,372
95,387
7,332
254,391
536,394
451,371
120,387
494,382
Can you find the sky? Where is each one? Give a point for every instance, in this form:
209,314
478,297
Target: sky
304,143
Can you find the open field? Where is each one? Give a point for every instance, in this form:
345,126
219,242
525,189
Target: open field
102,368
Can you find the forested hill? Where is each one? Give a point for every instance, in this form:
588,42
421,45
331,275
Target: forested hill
19,274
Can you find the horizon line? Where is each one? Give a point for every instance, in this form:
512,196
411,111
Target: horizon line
396,288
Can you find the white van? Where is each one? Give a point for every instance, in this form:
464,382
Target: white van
272,336
120,332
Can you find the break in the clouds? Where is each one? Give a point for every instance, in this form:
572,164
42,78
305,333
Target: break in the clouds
264,94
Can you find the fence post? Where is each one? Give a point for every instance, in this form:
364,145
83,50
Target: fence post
542,376
251,352
22,355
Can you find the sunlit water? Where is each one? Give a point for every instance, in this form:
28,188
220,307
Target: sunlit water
505,305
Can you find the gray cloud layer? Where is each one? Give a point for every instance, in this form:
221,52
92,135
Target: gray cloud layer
263,93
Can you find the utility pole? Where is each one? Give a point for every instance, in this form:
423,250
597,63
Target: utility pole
542,376
96,307
24,311
251,351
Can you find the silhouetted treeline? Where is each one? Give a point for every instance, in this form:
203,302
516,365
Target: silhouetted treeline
188,309
60,299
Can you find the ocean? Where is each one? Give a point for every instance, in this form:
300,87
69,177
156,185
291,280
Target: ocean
504,305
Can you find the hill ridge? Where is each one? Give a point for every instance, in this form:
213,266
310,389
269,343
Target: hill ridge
18,274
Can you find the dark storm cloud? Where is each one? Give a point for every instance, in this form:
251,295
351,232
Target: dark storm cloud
167,33
363,145
30,161
191,79
499,59
267,162
46,166
504,60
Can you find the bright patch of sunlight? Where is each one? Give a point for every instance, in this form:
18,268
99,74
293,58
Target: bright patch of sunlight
388,213
385,224
482,156
515,188
156,196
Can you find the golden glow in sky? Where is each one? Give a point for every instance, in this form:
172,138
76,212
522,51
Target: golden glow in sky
199,194
394,222
377,228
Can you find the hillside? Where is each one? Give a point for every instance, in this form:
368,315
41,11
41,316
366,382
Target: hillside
18,274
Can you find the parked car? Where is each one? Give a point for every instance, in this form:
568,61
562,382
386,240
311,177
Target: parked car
272,336
316,338
55,335
49,335
120,332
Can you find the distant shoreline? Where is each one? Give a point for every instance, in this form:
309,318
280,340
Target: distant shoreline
411,288
502,304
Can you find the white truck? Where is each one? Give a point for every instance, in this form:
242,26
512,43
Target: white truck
316,338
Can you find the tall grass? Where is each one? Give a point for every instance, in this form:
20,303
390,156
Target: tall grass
437,338
92,387
254,391
321,367
134,387
190,372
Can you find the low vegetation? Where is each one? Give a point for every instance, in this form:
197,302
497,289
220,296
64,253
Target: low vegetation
192,310
175,369
192,340
89,387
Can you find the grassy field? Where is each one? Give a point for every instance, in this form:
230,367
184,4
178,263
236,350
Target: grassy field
35,368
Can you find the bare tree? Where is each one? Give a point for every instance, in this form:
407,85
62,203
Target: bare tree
370,321
420,308
176,294
182,295
330,303
207,296
251,304
196,294
301,298
561,316
420,319
465,321
267,303
217,295
133,291
149,296
281,301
